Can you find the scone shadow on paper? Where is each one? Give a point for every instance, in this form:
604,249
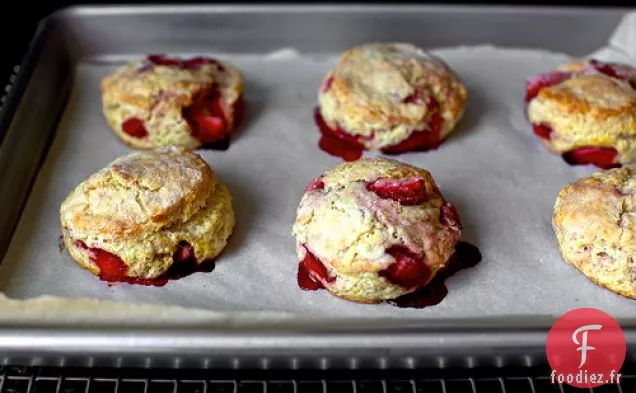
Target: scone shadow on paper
474,109
255,102
246,209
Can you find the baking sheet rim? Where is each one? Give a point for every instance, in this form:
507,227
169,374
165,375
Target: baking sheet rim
14,311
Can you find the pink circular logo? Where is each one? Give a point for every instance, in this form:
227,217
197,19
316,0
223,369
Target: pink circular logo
585,349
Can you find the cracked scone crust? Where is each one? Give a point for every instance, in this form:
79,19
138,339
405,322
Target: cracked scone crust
160,101
594,220
142,209
586,112
374,230
392,97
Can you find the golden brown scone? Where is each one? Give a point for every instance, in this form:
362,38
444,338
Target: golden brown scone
594,220
586,112
146,216
373,230
392,97
162,101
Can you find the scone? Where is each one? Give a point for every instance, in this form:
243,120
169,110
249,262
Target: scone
392,97
148,216
162,101
594,220
586,112
373,230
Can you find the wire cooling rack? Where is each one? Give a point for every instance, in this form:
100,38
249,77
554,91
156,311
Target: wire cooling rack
114,380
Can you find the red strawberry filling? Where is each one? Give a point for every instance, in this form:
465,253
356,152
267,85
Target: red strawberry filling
613,71
411,99
418,97
602,157
164,60
110,265
208,121
466,256
605,68
449,216
533,85
205,117
408,270
238,108
316,184
312,273
337,142
189,63
543,131
184,253
327,84
134,127
404,191
185,263
199,61
340,144
113,269
421,140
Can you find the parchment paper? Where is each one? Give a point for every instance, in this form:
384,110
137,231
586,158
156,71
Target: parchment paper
503,181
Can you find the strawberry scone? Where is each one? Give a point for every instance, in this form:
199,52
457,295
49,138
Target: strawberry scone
391,97
162,101
586,112
373,230
594,220
148,217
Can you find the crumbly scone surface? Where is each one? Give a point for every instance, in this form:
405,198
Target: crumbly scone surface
594,220
139,192
349,228
379,92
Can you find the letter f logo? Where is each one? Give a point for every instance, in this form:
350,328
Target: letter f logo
583,344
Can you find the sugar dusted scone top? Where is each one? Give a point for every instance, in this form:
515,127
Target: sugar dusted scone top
350,228
379,91
157,94
140,192
594,220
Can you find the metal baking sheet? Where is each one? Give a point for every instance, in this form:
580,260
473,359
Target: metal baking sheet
55,137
